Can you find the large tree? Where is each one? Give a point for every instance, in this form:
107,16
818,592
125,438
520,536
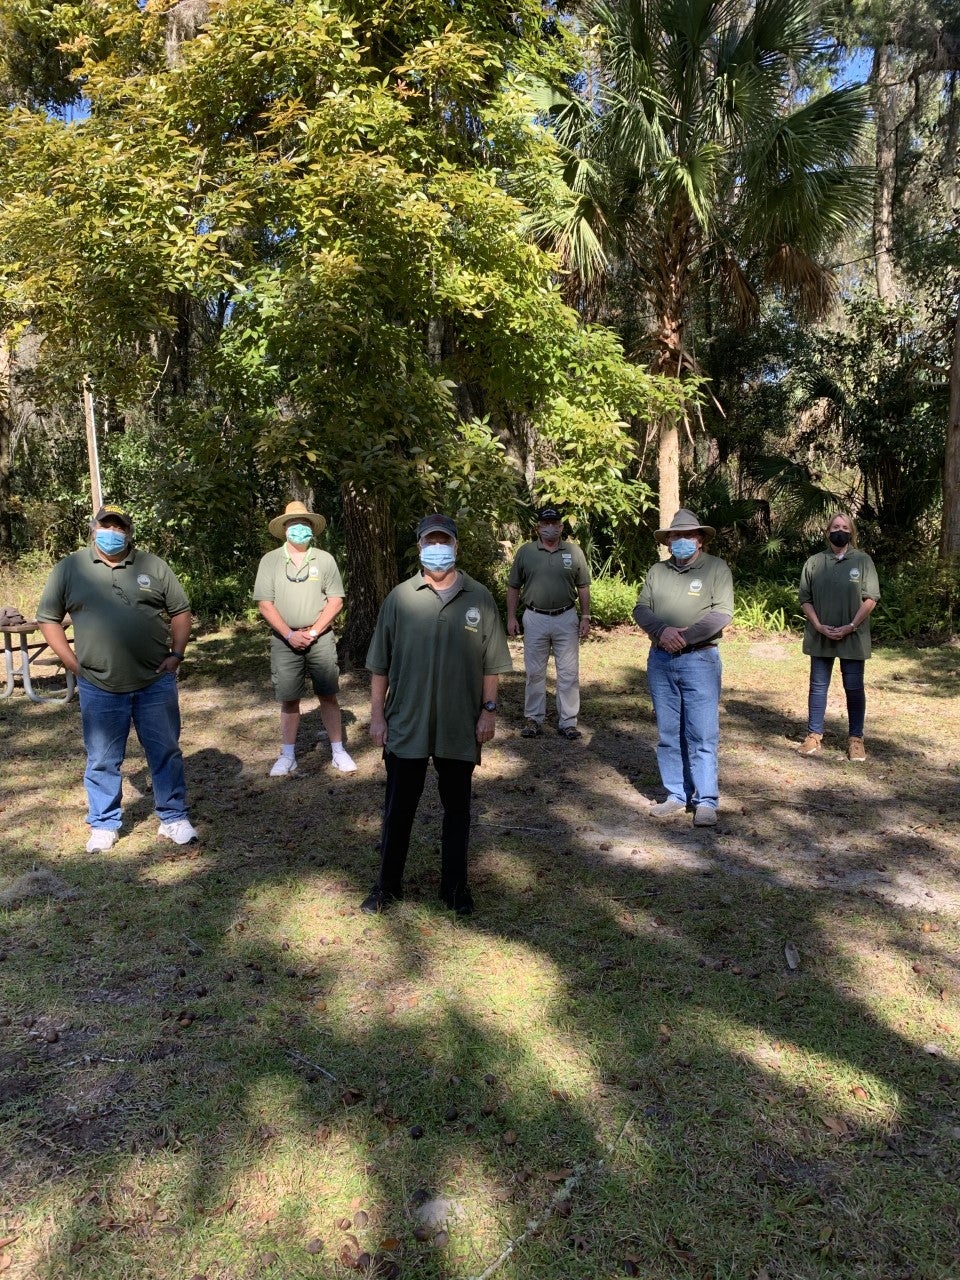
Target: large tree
687,162
296,216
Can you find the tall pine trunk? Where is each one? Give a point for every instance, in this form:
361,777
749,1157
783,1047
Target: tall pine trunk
950,528
885,117
372,557
6,449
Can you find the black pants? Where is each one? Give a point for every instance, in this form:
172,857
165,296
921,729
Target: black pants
405,779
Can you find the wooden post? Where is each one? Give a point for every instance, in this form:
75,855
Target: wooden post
96,494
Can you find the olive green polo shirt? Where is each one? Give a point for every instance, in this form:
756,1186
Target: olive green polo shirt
299,594
120,615
836,588
435,656
549,579
680,595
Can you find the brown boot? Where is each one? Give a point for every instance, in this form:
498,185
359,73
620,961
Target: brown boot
855,750
810,746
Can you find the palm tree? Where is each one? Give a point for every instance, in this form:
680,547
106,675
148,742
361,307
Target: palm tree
692,164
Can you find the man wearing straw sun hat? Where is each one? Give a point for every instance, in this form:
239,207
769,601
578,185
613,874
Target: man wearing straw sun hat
684,604
299,592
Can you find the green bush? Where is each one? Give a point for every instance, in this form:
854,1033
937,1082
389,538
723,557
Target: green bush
612,600
769,607
918,602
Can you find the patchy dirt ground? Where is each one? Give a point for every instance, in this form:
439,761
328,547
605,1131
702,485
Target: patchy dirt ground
209,1062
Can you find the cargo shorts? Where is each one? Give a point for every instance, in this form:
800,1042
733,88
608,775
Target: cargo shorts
289,668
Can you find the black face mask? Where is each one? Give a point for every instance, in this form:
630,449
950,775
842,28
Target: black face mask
839,537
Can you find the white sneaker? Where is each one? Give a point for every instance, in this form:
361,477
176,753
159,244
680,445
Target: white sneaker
344,762
101,839
180,832
283,766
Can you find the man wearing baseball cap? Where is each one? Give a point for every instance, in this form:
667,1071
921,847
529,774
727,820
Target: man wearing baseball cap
435,660
299,593
131,624
684,604
551,575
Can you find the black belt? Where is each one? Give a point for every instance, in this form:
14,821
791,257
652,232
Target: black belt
550,613
692,648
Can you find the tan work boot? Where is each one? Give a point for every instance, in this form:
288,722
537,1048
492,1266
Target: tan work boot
855,750
811,744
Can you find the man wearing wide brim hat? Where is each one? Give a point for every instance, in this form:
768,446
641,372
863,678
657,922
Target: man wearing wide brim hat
685,603
299,593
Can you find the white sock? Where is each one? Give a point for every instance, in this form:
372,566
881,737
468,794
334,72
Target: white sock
338,749
288,749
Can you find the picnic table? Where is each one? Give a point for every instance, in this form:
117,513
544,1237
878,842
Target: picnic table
19,652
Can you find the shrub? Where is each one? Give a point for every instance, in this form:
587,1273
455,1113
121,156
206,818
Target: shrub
770,607
612,600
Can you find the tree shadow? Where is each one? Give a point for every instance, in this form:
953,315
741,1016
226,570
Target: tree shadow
619,1012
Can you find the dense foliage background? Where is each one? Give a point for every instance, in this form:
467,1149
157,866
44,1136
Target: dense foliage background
389,257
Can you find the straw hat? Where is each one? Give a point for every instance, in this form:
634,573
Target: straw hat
296,513
685,522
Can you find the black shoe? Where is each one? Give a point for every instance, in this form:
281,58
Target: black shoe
379,899
570,732
461,902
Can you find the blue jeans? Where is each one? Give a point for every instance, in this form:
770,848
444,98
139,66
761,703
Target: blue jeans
106,718
851,672
685,689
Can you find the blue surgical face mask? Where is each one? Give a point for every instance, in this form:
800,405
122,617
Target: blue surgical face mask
438,556
111,541
300,534
682,548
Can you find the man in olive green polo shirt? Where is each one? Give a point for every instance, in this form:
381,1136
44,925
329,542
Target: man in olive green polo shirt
299,593
131,623
551,575
684,605
436,658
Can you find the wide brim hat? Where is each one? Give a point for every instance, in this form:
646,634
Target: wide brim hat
294,512
685,522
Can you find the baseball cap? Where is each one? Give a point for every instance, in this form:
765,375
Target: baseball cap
549,513
112,512
436,523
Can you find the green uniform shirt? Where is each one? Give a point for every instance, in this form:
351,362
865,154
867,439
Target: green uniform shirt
435,656
549,579
120,615
299,594
681,595
836,589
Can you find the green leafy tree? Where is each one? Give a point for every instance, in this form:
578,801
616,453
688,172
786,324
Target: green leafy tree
293,224
687,166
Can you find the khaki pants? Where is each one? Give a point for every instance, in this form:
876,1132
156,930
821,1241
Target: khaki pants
540,632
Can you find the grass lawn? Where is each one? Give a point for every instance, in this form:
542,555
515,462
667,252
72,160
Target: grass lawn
211,1065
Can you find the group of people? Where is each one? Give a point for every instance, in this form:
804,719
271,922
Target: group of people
437,653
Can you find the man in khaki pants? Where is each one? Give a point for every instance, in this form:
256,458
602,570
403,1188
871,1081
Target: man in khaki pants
551,575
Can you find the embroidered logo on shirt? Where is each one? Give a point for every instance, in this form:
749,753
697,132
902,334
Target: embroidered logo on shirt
314,571
696,586
567,559
472,618
143,580
854,575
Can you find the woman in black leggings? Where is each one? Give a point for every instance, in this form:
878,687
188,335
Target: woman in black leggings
839,590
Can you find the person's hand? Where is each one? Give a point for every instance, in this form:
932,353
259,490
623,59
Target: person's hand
486,726
378,730
584,626
671,639
72,664
170,663
513,627
300,640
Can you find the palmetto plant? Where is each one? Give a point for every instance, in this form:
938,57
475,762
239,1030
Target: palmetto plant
694,158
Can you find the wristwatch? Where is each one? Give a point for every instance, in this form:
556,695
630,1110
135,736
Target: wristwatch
312,634
489,706
173,654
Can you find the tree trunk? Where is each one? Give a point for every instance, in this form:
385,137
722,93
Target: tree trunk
668,466
885,116
372,560
950,528
6,450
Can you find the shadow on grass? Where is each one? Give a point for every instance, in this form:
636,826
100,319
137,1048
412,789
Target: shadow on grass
619,1012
